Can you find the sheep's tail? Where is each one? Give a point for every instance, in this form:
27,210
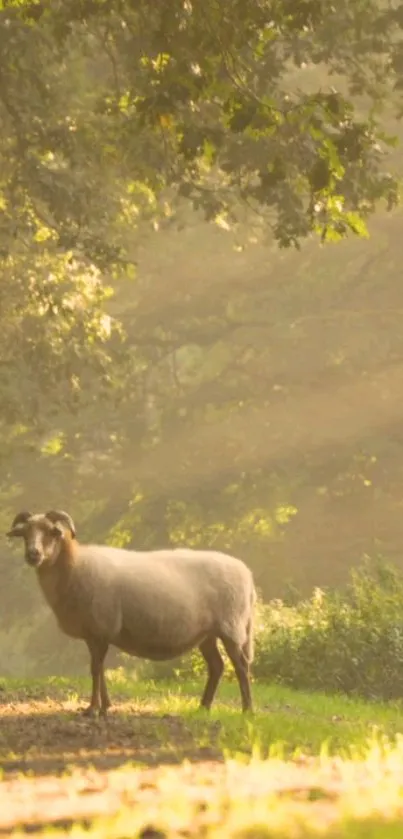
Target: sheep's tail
249,645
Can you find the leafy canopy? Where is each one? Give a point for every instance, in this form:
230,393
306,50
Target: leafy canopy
108,104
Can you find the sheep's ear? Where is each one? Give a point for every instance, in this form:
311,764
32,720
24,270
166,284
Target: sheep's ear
16,531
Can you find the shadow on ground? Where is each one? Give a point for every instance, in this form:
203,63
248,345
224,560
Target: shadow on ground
49,737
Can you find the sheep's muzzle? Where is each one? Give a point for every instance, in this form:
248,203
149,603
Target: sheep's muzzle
34,557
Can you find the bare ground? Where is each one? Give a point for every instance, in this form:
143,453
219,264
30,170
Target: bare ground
46,737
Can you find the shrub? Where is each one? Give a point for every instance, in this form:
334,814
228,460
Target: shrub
349,641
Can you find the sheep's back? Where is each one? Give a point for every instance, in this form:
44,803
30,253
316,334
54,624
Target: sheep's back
168,595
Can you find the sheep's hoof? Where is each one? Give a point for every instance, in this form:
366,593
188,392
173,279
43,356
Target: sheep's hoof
90,711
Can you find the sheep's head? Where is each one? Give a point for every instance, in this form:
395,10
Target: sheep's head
43,534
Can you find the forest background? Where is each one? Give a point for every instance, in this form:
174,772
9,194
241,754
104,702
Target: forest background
200,343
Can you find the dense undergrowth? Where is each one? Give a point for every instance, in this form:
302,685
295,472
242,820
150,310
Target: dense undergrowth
349,641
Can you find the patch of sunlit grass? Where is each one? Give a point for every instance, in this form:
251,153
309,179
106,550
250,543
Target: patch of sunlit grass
258,799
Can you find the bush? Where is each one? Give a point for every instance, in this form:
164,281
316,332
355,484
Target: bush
349,642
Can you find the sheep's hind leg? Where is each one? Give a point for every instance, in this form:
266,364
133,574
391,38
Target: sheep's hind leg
105,701
97,650
241,666
215,667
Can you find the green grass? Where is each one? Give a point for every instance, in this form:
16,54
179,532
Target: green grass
302,763
284,719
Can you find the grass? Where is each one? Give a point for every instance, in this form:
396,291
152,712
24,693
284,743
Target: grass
303,764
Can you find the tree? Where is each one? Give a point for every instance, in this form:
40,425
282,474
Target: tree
153,424
115,114
108,104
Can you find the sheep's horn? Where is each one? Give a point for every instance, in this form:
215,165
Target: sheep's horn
60,515
20,519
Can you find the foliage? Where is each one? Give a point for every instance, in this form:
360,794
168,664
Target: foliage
106,107
349,642
192,402
103,110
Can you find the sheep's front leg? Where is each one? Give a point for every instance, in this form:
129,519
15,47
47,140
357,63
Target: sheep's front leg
215,668
99,696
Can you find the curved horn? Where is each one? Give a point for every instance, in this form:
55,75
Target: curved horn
21,518
18,521
59,515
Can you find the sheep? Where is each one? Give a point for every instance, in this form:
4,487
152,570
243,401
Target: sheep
155,605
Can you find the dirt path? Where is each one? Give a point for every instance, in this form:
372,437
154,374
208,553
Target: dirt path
32,804
157,803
